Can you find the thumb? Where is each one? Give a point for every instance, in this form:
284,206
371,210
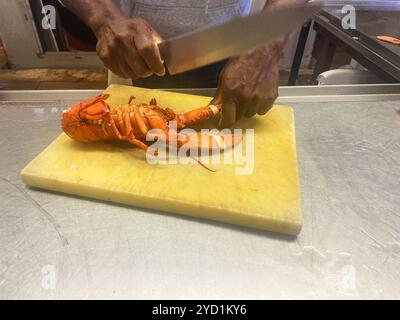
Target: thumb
157,39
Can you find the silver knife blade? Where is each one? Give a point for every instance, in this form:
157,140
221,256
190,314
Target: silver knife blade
201,48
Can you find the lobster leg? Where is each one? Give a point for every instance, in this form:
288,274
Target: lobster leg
130,137
131,98
140,122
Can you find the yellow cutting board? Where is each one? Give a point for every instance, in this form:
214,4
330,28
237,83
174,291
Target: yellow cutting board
266,198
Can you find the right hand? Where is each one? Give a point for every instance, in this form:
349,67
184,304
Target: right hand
129,48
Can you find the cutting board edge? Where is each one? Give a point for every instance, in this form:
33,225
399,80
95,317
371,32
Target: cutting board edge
296,161
234,218
132,88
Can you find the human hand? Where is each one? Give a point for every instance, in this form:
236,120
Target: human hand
128,47
248,84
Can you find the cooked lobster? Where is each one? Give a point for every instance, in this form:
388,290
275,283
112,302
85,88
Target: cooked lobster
94,120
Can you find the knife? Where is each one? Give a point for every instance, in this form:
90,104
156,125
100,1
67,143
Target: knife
206,46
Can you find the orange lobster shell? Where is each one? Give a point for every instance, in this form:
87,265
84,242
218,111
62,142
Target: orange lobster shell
94,120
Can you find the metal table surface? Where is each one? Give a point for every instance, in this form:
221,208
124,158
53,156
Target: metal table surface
59,246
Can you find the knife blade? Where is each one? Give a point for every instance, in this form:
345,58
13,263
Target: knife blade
206,46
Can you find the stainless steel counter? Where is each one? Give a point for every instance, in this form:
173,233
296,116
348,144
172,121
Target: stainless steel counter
58,246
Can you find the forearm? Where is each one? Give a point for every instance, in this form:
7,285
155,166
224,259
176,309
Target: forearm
94,13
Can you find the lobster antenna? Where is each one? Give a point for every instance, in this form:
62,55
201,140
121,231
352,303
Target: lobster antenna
131,98
202,164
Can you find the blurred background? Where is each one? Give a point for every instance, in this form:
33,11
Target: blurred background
321,53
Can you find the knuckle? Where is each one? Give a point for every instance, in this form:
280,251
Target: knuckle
111,44
139,21
103,54
139,26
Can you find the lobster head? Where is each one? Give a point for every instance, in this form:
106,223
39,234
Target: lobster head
82,122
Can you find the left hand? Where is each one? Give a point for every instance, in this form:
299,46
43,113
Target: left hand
248,84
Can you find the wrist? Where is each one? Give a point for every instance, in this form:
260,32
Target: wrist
274,49
98,22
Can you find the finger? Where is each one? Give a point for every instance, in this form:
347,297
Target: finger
265,107
117,69
114,68
228,113
268,104
240,111
137,64
115,64
253,107
217,98
126,70
150,53
108,62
